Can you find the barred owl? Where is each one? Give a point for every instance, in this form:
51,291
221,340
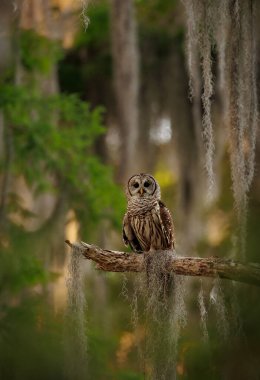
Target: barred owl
147,224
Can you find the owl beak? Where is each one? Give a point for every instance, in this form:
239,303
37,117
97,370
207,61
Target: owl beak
141,191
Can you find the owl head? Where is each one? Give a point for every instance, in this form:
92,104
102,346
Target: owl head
143,186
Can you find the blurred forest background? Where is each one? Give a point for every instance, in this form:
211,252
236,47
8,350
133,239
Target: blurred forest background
81,109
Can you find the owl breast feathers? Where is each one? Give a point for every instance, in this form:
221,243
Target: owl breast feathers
147,224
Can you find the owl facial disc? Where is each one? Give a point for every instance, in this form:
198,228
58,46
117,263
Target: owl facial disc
142,185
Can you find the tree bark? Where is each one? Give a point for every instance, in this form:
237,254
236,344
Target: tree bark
126,80
188,148
115,261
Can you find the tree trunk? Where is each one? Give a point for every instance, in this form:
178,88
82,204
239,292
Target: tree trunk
187,144
126,81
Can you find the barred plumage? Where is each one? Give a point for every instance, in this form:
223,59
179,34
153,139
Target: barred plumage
147,224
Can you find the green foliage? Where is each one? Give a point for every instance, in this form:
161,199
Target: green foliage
129,375
38,53
159,14
97,33
88,65
31,341
159,27
53,138
19,269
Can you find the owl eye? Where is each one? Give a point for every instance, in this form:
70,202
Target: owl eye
146,184
136,185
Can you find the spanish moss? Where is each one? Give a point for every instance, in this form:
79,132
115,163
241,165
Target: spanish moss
222,44
249,43
191,48
164,315
203,313
200,31
207,127
229,29
84,16
217,300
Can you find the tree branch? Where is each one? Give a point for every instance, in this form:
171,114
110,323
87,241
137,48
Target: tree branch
115,261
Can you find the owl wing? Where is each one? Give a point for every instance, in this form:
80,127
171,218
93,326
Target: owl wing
129,236
167,222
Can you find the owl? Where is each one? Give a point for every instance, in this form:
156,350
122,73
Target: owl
147,224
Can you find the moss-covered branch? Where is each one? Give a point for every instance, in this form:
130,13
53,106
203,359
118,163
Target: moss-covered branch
115,261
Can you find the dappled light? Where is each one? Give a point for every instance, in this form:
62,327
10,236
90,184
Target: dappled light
161,133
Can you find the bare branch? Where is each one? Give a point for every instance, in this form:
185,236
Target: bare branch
115,261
